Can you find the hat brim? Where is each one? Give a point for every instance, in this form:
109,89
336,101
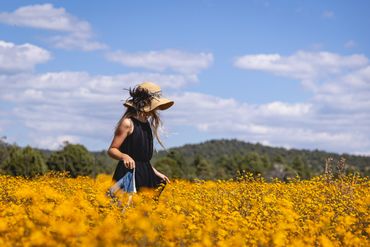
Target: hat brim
160,104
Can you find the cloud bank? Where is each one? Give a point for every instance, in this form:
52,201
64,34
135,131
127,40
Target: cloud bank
17,58
76,33
82,107
175,60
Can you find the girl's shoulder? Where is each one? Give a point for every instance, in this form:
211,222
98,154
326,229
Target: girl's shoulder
127,124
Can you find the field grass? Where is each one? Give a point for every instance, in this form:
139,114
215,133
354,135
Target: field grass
55,210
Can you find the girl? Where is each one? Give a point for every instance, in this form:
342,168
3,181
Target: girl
132,143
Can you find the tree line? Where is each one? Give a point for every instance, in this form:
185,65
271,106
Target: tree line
216,159
72,158
224,159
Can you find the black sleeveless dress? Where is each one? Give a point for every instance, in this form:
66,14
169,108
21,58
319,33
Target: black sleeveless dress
139,146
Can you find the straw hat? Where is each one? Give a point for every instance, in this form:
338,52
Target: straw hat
149,94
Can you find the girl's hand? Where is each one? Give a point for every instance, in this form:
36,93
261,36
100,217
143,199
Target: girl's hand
128,161
163,177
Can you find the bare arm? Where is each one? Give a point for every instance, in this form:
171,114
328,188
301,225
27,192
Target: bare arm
161,175
120,135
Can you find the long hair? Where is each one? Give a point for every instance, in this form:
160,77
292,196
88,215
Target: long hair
155,123
140,98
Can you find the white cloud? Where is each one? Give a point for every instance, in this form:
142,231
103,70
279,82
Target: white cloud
337,116
78,89
72,103
285,109
359,78
85,107
301,125
77,41
16,58
302,65
338,83
78,83
212,109
320,68
348,93
45,16
179,61
78,33
55,142
80,106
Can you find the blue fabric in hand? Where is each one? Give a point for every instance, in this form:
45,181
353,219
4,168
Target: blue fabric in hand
126,183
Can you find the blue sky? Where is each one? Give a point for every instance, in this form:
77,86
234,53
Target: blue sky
292,74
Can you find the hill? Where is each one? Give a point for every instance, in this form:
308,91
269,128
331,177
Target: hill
312,161
214,159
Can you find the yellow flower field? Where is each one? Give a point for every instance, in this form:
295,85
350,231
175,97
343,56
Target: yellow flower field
55,210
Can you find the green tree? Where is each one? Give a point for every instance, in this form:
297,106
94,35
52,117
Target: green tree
103,163
279,160
266,164
203,168
226,167
301,168
4,151
168,166
298,166
252,162
74,158
26,162
183,170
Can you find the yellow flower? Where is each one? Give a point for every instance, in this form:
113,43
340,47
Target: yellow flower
325,241
56,210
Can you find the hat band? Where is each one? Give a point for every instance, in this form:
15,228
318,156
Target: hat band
157,94
144,99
